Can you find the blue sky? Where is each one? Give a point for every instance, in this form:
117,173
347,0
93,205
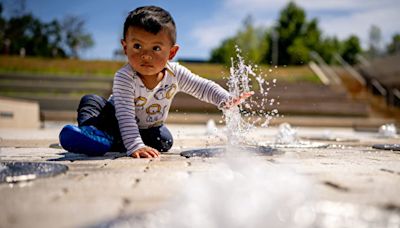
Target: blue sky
202,25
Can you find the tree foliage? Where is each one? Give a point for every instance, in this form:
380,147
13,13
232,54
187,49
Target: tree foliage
249,39
75,36
394,46
350,48
24,34
289,42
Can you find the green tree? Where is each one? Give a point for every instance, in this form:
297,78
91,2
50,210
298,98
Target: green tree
327,47
26,34
20,33
75,37
290,41
224,52
394,46
249,39
312,35
290,27
308,40
298,52
350,48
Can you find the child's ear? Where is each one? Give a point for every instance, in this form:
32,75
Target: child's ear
123,43
173,52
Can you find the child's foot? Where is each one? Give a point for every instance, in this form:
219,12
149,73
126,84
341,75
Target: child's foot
85,140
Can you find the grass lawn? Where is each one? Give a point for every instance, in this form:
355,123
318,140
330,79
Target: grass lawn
102,68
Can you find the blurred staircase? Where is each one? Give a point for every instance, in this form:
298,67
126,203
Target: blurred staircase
340,99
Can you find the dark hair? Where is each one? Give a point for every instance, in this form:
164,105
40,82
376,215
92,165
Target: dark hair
152,19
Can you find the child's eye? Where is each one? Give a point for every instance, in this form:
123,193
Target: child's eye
137,46
156,48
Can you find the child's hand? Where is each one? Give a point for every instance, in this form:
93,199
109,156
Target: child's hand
238,100
146,152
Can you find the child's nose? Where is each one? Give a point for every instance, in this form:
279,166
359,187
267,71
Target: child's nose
146,56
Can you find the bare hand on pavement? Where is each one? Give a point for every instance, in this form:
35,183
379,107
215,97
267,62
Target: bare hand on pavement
146,152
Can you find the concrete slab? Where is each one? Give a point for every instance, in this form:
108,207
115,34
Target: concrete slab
100,189
18,113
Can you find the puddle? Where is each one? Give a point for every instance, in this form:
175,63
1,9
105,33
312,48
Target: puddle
12,172
330,139
297,144
287,137
221,151
393,147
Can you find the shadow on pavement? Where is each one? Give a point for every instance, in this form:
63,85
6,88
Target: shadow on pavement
68,156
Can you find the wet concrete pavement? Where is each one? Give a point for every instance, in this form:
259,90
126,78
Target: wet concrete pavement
99,189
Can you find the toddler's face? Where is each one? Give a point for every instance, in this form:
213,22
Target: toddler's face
148,53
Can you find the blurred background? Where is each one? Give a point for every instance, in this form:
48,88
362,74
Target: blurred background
330,58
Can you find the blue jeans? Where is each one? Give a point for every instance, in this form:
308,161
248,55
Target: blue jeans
96,111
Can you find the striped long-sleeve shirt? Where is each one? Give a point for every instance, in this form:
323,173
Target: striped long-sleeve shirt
137,107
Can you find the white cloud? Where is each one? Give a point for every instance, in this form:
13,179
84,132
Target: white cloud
268,5
210,34
346,18
359,23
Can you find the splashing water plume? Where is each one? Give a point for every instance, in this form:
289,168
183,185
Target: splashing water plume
239,82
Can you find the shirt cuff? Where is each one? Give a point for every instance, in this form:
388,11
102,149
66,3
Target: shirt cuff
137,147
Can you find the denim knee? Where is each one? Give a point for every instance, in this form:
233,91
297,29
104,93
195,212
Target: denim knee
165,145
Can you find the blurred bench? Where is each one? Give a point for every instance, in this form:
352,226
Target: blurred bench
292,99
59,97
383,78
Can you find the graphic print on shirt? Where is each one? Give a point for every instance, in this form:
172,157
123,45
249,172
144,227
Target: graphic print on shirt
167,91
156,124
140,102
154,113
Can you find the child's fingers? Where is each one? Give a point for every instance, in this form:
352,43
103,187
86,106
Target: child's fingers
153,153
156,151
147,155
135,155
247,94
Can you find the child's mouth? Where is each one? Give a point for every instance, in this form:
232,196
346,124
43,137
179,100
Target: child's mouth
146,65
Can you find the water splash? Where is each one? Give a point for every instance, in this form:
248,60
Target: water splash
387,131
287,137
253,109
211,127
286,134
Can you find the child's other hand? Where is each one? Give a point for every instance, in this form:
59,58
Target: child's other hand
146,152
238,100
